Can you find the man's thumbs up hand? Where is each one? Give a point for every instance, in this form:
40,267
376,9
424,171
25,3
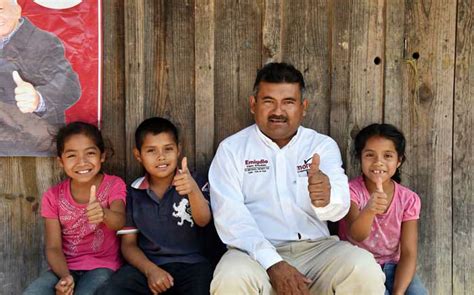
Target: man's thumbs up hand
318,184
378,202
26,96
314,167
95,212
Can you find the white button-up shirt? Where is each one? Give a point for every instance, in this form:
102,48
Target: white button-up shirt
259,191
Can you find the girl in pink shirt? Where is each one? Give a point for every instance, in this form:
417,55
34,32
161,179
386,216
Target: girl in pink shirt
82,215
383,217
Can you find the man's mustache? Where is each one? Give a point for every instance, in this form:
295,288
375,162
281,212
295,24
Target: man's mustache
279,118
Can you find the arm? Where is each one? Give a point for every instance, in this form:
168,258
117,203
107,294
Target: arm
359,223
158,279
199,208
55,256
186,185
331,167
406,266
114,217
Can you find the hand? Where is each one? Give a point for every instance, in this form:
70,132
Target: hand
286,279
378,202
26,96
95,212
159,280
65,286
318,184
183,181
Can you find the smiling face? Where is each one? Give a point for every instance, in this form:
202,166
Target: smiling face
159,155
379,158
278,110
9,15
81,159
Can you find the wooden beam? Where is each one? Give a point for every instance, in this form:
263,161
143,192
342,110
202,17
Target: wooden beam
463,254
204,77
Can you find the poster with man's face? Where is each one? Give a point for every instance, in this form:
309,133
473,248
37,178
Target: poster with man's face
50,71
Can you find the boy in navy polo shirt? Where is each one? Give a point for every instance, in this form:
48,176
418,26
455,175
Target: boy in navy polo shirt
166,210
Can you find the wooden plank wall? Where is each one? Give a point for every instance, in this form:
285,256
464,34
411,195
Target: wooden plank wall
409,63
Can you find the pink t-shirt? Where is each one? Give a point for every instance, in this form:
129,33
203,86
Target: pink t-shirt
86,246
384,239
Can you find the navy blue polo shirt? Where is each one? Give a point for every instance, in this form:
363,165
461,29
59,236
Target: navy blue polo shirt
166,230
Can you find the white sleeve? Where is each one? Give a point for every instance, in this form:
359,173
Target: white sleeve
331,165
234,223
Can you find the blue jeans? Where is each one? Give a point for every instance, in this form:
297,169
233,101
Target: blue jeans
85,282
416,286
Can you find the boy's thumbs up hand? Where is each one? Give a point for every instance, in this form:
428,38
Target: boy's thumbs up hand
318,184
378,202
184,165
26,96
183,181
95,212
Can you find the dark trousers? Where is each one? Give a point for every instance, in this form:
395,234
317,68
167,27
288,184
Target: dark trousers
188,278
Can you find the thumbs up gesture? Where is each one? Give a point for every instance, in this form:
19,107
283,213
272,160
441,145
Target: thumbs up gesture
95,212
183,181
26,96
378,202
318,184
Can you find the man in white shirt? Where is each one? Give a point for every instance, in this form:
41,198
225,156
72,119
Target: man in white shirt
273,187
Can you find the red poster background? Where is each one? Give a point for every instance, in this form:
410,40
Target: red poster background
79,28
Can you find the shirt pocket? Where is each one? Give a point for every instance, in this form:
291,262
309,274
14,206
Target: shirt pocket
302,194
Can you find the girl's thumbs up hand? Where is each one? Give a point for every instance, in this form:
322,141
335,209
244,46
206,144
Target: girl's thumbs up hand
378,202
95,212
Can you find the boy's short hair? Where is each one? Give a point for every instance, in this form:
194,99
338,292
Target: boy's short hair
154,125
278,73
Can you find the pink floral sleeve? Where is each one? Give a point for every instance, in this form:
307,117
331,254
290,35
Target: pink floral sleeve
118,191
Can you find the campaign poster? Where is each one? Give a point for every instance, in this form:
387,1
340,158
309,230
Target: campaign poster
50,71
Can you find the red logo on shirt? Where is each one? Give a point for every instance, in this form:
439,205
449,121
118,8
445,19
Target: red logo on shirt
305,166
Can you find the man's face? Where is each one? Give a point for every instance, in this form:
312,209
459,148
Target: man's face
278,110
9,15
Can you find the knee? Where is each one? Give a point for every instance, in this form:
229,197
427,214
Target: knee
231,275
364,268
239,276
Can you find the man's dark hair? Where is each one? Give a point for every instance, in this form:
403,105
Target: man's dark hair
155,126
279,72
